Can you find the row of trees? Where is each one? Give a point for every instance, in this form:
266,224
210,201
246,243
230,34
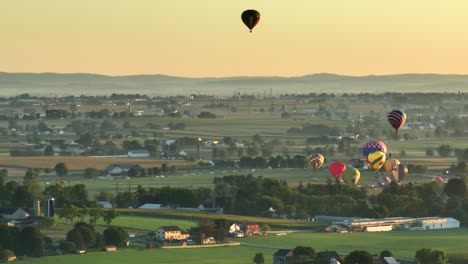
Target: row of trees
84,236
248,195
307,255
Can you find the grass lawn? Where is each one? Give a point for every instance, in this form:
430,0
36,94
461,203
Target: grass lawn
402,244
227,255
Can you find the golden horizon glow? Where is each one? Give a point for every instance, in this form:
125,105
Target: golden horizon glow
206,38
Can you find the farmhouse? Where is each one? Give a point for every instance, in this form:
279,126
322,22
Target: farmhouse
13,213
122,169
283,256
18,217
170,233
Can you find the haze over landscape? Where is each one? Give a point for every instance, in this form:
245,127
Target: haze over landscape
77,84
336,132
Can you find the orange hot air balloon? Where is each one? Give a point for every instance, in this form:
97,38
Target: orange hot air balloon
399,172
390,163
250,18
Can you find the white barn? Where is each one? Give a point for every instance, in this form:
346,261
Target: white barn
138,154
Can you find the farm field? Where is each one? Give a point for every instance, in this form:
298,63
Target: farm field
402,244
150,223
222,255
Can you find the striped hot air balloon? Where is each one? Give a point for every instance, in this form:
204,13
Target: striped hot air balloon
316,161
397,119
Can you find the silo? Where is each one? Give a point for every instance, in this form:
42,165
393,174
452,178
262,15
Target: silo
37,208
50,207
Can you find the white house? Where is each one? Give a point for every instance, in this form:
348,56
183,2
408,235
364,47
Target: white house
170,233
138,154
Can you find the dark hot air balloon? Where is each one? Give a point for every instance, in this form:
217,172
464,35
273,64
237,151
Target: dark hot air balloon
397,119
250,18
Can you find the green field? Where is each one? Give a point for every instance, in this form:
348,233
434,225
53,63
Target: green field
402,244
227,255
151,223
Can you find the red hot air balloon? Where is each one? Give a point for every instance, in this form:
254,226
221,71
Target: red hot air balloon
397,119
336,169
250,18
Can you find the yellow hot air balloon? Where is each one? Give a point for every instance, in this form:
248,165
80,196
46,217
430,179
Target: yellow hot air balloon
351,175
376,160
390,163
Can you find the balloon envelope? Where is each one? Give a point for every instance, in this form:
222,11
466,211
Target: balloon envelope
399,172
376,160
384,180
397,119
351,175
438,179
336,169
250,18
316,161
373,146
390,163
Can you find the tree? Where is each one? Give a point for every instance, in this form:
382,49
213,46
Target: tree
90,173
61,169
259,259
304,255
82,235
455,187
3,176
94,214
49,151
429,152
359,257
115,236
444,150
110,215
429,256
385,253
86,139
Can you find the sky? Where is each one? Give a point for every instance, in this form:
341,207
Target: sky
206,38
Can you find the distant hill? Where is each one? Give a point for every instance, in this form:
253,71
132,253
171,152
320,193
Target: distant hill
92,84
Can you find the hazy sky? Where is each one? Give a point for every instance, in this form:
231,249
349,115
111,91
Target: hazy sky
200,38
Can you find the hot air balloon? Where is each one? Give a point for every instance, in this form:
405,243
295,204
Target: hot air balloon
384,180
438,179
316,161
399,172
351,175
390,163
336,169
397,119
373,146
375,160
250,18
